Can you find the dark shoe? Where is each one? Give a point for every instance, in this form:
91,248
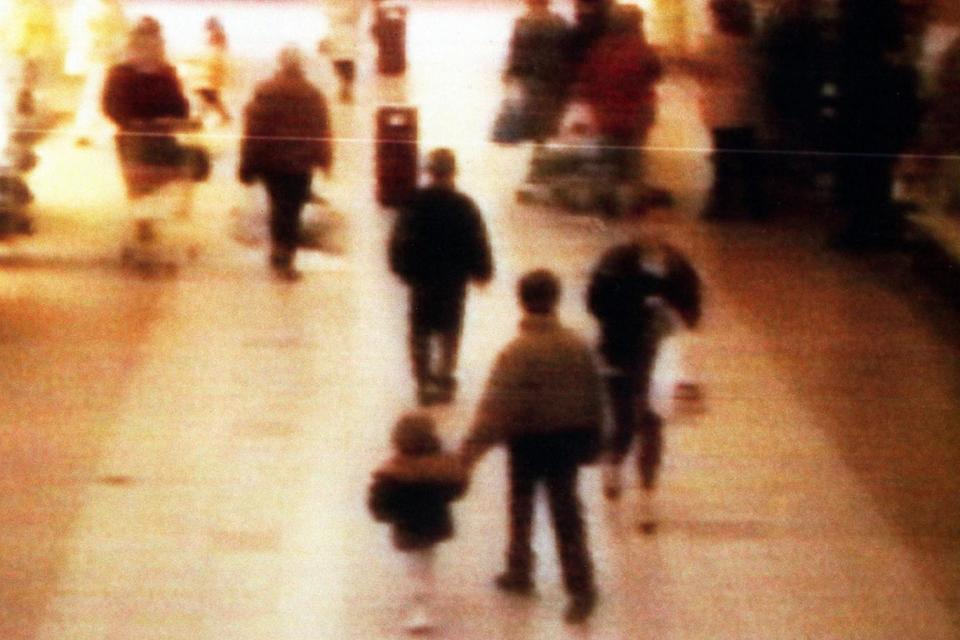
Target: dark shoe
287,274
580,607
514,583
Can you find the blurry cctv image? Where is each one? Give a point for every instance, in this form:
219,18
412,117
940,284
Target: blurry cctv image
479,319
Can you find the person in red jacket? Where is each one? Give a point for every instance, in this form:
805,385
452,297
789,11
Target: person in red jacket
618,79
286,137
144,98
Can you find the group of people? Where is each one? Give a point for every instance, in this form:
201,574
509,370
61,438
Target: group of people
545,397
808,89
286,131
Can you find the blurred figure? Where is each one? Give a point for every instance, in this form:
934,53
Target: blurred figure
617,79
286,137
726,67
878,114
98,31
144,98
438,244
32,38
942,134
633,289
593,19
412,491
536,64
342,43
543,402
214,71
794,62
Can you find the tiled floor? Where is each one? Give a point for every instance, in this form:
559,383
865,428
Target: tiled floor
187,458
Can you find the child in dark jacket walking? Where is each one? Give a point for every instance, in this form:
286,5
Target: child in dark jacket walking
412,491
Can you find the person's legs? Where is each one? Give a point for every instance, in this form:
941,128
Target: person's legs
451,331
287,193
421,304
517,578
621,397
750,173
650,452
345,70
721,202
421,578
570,532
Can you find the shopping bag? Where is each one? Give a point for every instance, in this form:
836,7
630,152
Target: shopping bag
323,228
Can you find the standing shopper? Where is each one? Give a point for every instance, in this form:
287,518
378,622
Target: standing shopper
286,137
727,69
536,64
438,244
543,402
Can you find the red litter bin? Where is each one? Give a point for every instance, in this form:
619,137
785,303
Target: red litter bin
390,33
396,154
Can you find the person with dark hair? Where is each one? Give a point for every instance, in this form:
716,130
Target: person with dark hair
438,244
543,402
536,63
617,79
143,96
286,137
412,492
631,288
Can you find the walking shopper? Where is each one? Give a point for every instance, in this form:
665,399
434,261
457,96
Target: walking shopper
143,96
342,43
214,69
412,491
286,137
630,289
438,244
543,402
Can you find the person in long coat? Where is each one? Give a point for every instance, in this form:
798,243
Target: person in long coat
143,96
286,137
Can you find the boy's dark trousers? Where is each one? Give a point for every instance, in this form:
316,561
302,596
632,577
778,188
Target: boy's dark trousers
629,402
287,192
534,459
436,309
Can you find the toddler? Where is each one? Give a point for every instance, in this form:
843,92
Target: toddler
412,491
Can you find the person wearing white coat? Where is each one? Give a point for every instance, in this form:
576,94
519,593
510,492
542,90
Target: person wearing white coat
342,42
